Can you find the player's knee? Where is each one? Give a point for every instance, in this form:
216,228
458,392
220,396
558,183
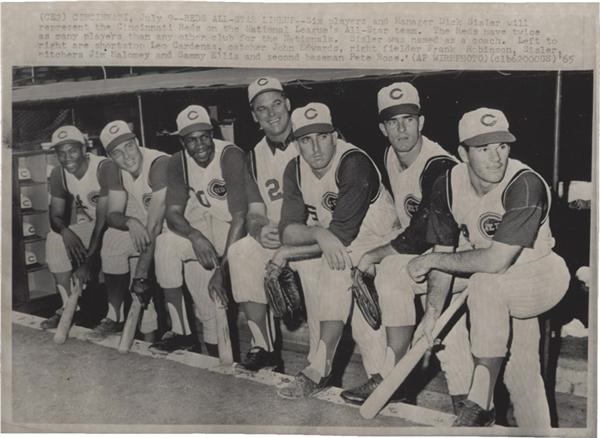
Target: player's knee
483,291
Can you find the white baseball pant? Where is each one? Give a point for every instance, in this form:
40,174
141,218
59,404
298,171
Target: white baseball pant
56,253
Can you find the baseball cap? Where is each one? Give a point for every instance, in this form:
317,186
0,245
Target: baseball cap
398,98
312,118
30,258
193,118
261,85
484,126
66,134
28,229
115,133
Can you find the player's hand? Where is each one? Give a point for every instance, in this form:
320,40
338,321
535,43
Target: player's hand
139,235
269,236
74,246
425,328
83,273
204,250
419,267
367,264
216,288
333,250
280,257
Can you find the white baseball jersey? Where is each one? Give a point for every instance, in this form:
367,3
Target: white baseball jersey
479,216
86,190
320,196
208,186
267,169
139,192
406,183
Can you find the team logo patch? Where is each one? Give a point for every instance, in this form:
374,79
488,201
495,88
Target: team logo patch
262,81
62,134
396,93
488,120
411,205
193,115
113,129
311,113
93,197
329,201
217,189
146,200
488,224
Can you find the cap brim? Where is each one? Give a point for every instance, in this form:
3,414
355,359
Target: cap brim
316,128
118,140
264,91
65,141
489,138
195,127
405,108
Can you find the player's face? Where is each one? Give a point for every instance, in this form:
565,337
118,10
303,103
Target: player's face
486,163
272,112
128,157
71,156
403,131
317,149
200,145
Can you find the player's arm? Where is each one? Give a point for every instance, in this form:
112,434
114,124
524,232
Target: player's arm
156,214
59,222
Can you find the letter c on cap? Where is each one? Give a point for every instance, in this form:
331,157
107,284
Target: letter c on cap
62,134
396,93
488,120
262,81
311,113
193,115
113,129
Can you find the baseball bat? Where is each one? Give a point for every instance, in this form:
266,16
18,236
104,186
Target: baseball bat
131,324
378,398
66,319
223,339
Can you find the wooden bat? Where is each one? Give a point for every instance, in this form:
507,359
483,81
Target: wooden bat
390,384
133,320
66,319
223,339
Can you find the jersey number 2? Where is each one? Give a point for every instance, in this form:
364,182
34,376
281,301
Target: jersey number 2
273,189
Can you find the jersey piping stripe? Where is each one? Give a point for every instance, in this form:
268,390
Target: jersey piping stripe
298,175
254,172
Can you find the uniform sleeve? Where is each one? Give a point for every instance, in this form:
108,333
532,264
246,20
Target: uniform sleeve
57,188
104,175
293,209
442,229
110,178
177,189
252,191
158,173
358,182
526,204
233,167
412,240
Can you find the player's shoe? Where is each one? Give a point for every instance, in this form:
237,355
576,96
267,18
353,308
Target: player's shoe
50,323
258,358
359,394
171,342
457,402
470,414
302,387
106,328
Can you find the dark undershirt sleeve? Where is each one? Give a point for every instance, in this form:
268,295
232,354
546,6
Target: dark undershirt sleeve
293,210
113,177
177,189
252,191
358,183
412,240
442,229
57,188
526,204
157,177
104,175
233,167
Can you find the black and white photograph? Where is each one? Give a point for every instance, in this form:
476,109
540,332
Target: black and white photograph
356,250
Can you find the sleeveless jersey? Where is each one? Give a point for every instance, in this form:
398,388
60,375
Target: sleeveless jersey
406,183
85,191
320,196
479,216
139,192
267,170
208,191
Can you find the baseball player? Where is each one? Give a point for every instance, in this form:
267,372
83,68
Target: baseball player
413,163
334,204
136,205
249,255
205,211
494,210
74,249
